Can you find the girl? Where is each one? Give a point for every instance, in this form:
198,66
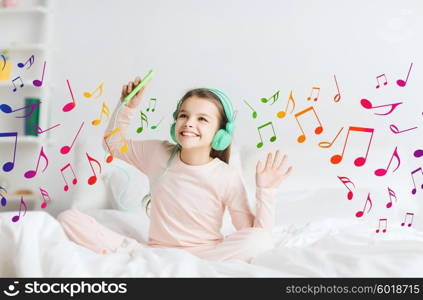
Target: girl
196,185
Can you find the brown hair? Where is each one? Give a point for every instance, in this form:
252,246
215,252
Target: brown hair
223,155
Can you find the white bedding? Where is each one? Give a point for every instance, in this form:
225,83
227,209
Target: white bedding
36,246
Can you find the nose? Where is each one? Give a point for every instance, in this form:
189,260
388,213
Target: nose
189,122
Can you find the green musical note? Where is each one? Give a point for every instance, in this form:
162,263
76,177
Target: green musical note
272,139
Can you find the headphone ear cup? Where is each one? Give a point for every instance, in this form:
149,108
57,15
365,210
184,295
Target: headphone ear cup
222,139
172,133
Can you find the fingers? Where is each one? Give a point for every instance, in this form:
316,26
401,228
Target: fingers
276,161
269,160
259,167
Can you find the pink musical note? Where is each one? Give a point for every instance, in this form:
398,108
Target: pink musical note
66,149
386,225
71,105
319,129
30,61
92,179
414,190
8,166
359,161
281,114
378,83
368,105
74,180
337,97
391,194
418,153
382,172
401,82
37,129
360,213
32,173
395,129
312,90
3,198
16,218
21,85
327,144
405,218
346,180
45,195
37,82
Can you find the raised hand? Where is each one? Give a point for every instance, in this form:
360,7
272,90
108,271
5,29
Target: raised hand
127,88
273,173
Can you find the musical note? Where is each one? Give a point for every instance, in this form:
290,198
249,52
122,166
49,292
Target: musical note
104,111
405,218
71,105
319,129
4,61
37,129
312,90
272,139
368,105
3,199
124,147
418,153
7,109
395,129
155,126
391,194
74,181
382,172
346,180
30,61
386,225
143,118
99,89
37,82
45,195
414,191
359,161
92,179
13,81
154,107
337,97
16,218
254,113
281,114
66,149
8,166
274,97
360,213
32,173
401,82
378,83
327,144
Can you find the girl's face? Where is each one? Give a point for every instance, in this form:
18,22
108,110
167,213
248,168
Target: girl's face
196,123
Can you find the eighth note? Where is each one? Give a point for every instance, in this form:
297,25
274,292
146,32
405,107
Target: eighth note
66,149
37,82
93,178
99,88
154,107
275,97
360,213
30,60
368,105
45,195
312,90
74,181
346,180
143,117
16,218
414,190
386,225
3,199
378,83
382,172
281,114
272,139
405,218
319,129
401,82
32,173
254,113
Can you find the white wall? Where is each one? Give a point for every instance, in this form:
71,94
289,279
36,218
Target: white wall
251,49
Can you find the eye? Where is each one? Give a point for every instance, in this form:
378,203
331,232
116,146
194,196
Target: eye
182,115
202,119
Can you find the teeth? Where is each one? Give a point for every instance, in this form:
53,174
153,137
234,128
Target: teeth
188,134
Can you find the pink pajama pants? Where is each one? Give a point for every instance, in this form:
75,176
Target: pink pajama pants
84,230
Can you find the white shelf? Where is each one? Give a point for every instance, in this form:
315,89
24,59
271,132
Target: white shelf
23,10
28,140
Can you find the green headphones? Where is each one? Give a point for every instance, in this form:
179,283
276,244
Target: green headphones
223,137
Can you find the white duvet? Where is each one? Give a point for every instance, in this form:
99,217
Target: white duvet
36,246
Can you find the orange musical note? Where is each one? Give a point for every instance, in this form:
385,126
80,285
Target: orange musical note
71,105
382,172
254,113
99,89
405,218
391,194
386,225
74,181
21,85
272,138
319,129
123,148
327,144
37,82
45,195
92,179
312,90
368,105
378,83
275,97
346,180
414,190
32,173
359,161
104,111
66,149
401,82
360,213
395,129
30,61
337,97
154,107
281,114
8,166
16,218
